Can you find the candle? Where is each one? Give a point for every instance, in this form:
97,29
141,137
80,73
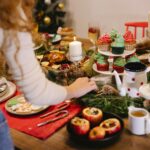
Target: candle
75,51
149,21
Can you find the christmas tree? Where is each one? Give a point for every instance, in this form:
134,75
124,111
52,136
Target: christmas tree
49,15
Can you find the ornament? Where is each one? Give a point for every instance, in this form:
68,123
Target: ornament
47,20
61,5
40,14
48,2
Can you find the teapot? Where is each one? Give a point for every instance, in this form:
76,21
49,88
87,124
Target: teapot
135,75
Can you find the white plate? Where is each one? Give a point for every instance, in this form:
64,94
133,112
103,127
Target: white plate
37,47
36,109
109,53
55,38
104,72
145,91
11,91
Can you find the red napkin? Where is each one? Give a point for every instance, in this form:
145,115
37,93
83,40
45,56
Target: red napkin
28,124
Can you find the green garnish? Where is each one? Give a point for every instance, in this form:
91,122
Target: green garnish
12,102
119,62
111,103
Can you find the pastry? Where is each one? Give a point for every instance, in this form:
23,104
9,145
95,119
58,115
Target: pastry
104,42
129,40
118,64
65,31
118,45
101,62
113,34
133,58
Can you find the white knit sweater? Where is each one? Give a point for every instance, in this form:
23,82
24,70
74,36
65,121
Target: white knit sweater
36,88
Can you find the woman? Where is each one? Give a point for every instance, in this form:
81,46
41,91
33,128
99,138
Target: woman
17,47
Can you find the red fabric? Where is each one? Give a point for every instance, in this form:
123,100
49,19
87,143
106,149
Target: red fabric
27,124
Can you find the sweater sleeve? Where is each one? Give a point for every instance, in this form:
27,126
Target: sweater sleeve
28,74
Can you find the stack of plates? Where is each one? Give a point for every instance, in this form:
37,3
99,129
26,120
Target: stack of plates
7,89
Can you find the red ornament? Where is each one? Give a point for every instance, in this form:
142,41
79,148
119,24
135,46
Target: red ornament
128,89
133,79
142,83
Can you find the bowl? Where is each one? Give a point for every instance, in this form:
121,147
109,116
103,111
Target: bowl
108,139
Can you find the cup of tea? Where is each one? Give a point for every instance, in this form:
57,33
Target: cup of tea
138,121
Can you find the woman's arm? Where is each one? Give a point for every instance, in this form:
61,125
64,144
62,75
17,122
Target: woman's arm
28,74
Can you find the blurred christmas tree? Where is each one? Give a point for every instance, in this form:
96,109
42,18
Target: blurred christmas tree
49,14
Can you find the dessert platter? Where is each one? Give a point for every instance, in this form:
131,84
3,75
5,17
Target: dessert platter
19,106
116,48
7,89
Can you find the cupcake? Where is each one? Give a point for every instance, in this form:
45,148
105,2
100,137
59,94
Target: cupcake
118,45
118,64
101,62
133,58
129,40
113,34
104,42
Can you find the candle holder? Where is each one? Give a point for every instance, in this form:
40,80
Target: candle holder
75,54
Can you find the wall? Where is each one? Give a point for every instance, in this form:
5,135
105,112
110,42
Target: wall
108,13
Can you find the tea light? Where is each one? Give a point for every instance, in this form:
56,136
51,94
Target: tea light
75,51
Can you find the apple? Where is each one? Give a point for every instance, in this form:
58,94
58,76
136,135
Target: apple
111,125
94,115
97,133
80,126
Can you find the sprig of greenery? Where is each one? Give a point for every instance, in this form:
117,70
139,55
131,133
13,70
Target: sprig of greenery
111,103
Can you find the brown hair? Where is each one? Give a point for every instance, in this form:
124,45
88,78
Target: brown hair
11,22
10,17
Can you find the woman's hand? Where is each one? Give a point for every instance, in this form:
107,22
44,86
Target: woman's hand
80,87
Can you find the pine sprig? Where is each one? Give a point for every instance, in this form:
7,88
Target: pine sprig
111,103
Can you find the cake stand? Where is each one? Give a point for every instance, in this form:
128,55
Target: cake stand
110,54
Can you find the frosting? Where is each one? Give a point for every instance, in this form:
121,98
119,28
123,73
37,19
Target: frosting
119,62
101,61
98,56
113,34
133,59
104,39
119,41
128,36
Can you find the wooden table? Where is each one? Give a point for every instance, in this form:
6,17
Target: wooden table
61,141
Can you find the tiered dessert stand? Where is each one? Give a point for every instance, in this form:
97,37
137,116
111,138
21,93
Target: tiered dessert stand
110,60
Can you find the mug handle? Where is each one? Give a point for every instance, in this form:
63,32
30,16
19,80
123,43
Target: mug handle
147,126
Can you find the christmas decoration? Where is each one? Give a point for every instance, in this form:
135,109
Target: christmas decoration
61,5
49,15
47,20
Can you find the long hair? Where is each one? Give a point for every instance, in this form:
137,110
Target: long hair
12,22
10,17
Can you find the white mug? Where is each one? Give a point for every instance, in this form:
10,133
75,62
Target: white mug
138,121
